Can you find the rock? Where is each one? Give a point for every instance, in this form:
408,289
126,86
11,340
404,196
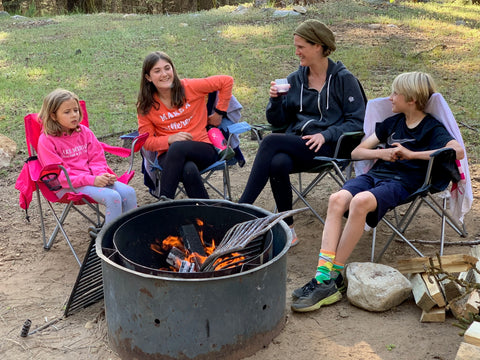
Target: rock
8,149
300,9
283,13
4,13
19,17
260,3
240,10
376,287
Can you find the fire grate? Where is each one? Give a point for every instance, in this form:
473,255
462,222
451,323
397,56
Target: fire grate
88,288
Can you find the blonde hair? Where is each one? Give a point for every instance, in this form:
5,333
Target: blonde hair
416,86
50,106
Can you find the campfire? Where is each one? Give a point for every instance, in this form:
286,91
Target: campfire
182,245
187,253
228,312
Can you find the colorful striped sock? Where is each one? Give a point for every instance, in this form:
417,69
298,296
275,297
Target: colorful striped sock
325,265
337,268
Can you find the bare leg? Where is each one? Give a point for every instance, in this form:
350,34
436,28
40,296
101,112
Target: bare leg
338,203
360,206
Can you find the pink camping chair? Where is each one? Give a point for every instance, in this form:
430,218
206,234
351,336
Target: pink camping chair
35,178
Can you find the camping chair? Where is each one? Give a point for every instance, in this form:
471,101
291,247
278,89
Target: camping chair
34,178
442,170
338,167
231,126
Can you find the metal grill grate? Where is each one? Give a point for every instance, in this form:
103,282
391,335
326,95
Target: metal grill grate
88,288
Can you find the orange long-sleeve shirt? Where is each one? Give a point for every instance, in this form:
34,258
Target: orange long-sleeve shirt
192,117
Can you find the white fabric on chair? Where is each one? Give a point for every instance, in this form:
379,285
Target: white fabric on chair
381,108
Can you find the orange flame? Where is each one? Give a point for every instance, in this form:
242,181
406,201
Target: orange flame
163,247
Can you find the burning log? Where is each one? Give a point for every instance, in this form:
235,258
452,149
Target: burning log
177,259
191,240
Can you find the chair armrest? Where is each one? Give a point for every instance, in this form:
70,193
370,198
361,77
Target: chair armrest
346,143
239,128
56,168
258,130
442,169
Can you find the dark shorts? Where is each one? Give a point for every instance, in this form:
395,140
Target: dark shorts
388,192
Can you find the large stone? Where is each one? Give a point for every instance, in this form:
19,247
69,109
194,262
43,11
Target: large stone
376,287
8,149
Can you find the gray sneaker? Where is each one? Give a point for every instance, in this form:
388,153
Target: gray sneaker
339,281
317,295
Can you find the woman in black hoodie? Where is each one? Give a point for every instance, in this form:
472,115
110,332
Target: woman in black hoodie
324,101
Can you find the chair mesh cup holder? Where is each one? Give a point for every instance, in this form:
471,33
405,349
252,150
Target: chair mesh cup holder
51,181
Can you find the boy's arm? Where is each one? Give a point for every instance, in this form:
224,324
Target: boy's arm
401,153
367,150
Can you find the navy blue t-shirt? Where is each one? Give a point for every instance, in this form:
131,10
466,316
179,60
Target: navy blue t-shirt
429,134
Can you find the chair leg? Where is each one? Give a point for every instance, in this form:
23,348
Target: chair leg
307,204
227,190
42,221
399,234
60,221
60,227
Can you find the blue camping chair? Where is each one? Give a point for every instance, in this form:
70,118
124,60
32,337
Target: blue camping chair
231,127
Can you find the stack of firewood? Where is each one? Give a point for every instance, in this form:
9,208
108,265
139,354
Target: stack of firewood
443,283
449,283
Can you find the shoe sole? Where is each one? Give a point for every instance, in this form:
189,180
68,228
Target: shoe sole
327,301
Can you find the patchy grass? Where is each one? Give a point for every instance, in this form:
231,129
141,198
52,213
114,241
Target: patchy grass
100,56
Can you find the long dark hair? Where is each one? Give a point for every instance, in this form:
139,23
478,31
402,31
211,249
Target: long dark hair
147,89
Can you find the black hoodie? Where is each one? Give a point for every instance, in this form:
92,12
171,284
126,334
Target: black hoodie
339,107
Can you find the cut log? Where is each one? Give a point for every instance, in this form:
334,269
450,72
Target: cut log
472,335
475,251
468,352
421,294
435,314
451,289
457,308
467,276
434,289
191,240
450,263
473,302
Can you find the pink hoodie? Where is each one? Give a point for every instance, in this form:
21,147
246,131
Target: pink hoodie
80,153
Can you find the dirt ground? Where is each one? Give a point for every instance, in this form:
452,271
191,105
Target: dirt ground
36,284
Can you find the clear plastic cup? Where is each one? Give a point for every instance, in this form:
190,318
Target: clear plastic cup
282,86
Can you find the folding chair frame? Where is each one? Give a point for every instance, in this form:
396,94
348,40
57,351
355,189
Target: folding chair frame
223,164
337,167
74,197
421,196
61,220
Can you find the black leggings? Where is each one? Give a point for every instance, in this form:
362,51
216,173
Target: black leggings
279,156
183,162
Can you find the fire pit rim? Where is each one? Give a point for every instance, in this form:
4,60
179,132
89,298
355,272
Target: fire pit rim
134,212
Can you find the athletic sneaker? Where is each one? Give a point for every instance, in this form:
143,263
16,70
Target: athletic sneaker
294,238
339,282
317,296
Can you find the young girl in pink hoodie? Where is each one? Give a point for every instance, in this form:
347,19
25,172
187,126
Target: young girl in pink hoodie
65,141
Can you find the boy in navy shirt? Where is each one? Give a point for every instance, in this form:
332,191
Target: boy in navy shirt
410,136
